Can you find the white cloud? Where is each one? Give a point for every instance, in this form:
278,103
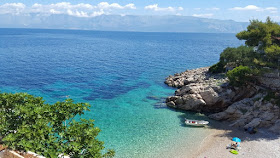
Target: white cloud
79,10
271,8
249,7
255,8
130,6
106,5
155,7
77,13
97,13
203,15
53,11
14,8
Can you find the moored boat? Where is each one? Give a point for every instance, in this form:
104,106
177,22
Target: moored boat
196,122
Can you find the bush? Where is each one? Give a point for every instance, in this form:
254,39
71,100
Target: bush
242,55
217,68
240,75
29,124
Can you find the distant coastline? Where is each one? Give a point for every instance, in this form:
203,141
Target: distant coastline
134,23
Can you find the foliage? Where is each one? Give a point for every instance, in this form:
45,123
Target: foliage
265,35
242,55
262,50
217,68
240,75
273,50
27,123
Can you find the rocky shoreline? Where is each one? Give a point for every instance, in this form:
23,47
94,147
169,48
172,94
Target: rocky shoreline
200,91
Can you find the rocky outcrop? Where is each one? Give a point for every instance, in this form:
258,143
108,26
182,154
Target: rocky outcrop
270,80
276,127
201,91
249,113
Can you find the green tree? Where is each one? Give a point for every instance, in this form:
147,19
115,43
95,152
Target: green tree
242,55
262,48
217,68
265,36
27,123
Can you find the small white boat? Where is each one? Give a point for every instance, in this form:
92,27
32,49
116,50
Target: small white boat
196,122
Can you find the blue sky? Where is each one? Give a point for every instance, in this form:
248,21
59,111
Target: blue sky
238,10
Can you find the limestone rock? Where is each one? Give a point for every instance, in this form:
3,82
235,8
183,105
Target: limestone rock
267,116
219,116
171,104
209,96
270,80
239,123
198,90
254,123
191,102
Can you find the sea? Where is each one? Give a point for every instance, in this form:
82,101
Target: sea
121,74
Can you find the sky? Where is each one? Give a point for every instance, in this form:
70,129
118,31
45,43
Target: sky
237,10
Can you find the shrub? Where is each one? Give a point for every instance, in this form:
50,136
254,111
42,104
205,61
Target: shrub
240,75
217,68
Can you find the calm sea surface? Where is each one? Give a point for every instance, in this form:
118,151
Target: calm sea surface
120,74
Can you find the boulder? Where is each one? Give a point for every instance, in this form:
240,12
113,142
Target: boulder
219,116
267,116
183,90
231,109
191,102
239,123
171,104
254,123
209,96
179,101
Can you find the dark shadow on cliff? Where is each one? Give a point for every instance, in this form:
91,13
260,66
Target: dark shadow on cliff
231,132
209,75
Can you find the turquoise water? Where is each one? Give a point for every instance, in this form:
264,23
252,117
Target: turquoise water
120,74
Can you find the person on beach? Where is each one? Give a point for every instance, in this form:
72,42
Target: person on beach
234,145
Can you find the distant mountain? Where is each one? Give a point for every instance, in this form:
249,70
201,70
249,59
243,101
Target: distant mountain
170,23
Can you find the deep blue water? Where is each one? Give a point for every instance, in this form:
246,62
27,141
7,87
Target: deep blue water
120,74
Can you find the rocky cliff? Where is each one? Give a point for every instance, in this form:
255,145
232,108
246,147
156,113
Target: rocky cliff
200,91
